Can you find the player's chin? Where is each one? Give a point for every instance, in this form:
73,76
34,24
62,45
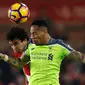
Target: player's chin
35,41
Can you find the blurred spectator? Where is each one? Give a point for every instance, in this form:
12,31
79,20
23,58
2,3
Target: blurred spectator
20,79
5,72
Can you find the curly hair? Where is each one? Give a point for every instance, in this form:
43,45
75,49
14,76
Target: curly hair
16,33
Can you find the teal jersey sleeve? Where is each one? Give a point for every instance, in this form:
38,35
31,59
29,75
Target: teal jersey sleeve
29,48
65,48
27,52
45,61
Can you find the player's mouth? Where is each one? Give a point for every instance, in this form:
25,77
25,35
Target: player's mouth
34,39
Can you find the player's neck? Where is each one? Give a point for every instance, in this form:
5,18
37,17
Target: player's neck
48,39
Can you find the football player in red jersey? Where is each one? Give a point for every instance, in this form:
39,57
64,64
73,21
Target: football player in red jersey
18,39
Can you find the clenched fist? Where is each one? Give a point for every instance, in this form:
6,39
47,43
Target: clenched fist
3,57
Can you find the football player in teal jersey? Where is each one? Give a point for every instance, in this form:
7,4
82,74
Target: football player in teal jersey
45,56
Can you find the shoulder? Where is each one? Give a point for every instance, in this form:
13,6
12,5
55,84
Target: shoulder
61,43
30,40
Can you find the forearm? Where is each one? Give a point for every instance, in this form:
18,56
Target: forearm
12,61
83,57
15,62
78,56
19,63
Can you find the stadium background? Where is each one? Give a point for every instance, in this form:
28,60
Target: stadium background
67,21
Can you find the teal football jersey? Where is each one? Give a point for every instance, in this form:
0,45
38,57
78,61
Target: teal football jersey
45,61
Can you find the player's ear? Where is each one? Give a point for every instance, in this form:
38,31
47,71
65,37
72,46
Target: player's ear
45,30
25,39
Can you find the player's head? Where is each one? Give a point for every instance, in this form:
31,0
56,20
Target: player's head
17,38
39,31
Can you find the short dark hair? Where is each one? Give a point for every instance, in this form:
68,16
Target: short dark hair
40,23
16,33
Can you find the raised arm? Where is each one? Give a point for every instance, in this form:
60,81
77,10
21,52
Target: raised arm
76,55
19,63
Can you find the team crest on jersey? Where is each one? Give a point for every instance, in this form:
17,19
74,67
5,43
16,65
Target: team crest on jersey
50,48
32,48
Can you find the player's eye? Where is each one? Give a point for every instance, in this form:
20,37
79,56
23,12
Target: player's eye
15,43
11,44
33,34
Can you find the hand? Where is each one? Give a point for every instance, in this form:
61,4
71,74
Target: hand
3,57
